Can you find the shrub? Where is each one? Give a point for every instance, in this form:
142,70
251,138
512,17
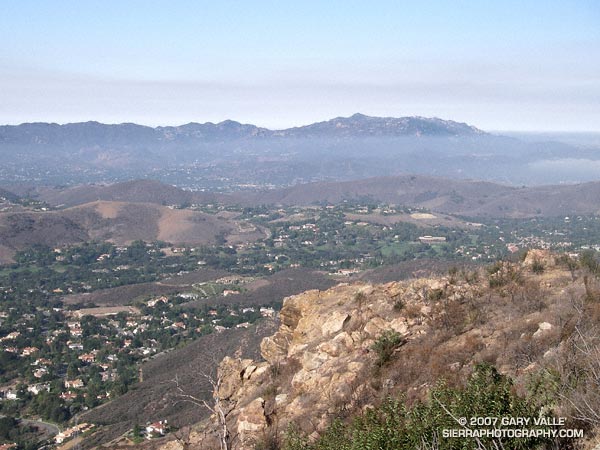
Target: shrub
537,267
588,260
395,426
435,295
398,305
385,345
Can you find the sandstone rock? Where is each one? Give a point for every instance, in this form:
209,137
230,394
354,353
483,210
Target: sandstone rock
248,371
260,370
312,361
345,339
355,367
295,349
356,336
399,325
331,348
280,399
251,420
436,284
542,328
335,323
326,342
376,326
308,381
290,315
231,371
275,348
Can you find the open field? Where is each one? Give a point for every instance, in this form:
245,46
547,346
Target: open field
105,311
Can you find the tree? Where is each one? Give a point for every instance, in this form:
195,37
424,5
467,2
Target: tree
216,408
206,380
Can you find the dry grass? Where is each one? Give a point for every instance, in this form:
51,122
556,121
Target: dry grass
500,326
108,210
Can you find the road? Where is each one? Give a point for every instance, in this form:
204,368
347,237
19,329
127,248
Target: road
49,427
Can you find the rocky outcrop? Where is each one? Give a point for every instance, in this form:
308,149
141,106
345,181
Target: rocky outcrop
318,361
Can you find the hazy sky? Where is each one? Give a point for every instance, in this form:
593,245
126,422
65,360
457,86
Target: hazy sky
521,65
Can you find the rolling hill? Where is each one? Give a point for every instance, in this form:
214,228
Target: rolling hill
117,222
458,197
137,191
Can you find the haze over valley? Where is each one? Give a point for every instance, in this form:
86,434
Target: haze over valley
231,156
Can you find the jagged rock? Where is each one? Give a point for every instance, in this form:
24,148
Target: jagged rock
231,372
436,284
345,339
260,370
331,348
312,361
542,328
321,360
376,326
251,419
323,345
274,348
335,323
248,371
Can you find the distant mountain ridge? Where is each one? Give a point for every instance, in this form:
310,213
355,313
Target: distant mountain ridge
230,155
95,133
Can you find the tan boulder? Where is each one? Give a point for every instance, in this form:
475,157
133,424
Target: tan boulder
251,421
334,323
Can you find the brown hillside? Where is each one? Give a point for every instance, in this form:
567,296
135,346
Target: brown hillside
118,222
123,222
460,197
19,230
137,191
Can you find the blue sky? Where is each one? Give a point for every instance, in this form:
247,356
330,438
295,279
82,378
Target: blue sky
514,65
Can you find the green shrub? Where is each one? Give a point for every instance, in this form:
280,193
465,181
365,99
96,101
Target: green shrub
435,295
394,426
537,267
385,345
398,305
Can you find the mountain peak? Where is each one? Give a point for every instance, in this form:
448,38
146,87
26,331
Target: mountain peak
361,125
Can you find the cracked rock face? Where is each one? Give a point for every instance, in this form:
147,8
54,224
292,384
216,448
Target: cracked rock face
318,360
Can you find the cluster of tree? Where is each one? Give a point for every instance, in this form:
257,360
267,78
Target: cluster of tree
12,431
